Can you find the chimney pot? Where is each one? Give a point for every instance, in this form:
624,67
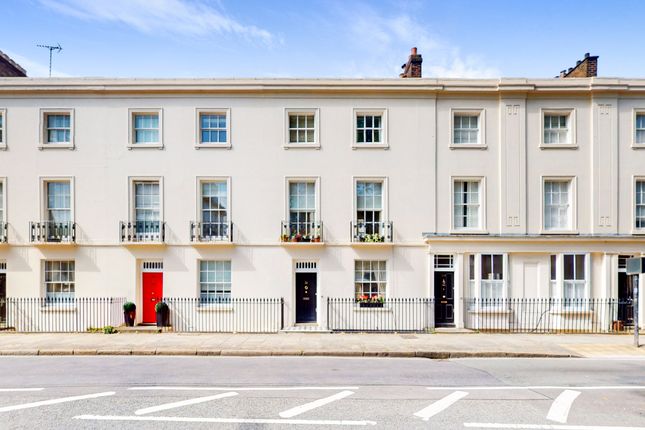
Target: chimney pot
578,62
412,68
587,55
413,51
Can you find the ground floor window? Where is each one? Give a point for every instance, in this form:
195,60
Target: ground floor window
370,279
214,281
59,280
487,277
570,277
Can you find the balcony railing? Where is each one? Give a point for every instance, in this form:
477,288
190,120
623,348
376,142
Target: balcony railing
211,231
377,231
3,232
143,231
301,231
52,232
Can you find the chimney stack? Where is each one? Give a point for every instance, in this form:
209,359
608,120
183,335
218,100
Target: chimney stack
412,69
585,68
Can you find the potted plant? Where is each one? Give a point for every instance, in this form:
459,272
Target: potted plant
129,313
296,238
284,238
372,301
163,314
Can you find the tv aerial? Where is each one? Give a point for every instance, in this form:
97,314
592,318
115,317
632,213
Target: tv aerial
56,48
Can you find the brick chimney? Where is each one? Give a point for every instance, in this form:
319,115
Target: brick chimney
9,68
585,68
412,69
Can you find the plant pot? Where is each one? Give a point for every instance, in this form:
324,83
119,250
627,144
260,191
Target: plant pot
163,318
370,304
129,318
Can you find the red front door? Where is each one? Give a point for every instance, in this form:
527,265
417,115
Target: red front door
152,293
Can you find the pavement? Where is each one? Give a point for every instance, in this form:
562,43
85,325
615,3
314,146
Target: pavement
164,392
436,346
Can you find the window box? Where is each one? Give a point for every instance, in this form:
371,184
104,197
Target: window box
370,129
146,128
56,129
370,304
302,128
213,128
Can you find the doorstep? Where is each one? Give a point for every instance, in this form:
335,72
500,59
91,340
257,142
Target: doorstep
144,329
305,328
452,330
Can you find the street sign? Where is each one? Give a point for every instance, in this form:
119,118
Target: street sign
636,266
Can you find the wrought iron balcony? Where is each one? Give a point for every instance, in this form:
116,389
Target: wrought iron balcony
301,231
205,232
371,232
3,232
52,232
143,231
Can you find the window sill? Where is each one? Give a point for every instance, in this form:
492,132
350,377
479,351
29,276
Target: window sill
42,146
638,145
3,146
213,145
489,310
468,231
559,146
301,146
468,146
571,311
370,146
145,146
558,232
383,309
54,307
638,232
214,307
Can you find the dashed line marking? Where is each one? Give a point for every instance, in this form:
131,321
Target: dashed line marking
55,401
440,405
559,411
170,388
226,420
540,387
18,390
315,404
546,427
181,403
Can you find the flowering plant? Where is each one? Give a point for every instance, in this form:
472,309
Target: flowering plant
374,298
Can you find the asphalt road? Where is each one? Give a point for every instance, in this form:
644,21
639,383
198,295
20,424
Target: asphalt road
107,392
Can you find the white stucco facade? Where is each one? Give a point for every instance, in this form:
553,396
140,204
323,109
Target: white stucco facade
417,163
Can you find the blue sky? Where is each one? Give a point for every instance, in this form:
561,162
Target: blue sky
315,38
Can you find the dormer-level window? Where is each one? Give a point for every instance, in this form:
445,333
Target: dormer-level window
558,128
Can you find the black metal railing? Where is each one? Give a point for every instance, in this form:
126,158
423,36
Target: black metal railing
386,315
301,231
52,231
226,315
211,231
142,231
3,232
548,315
39,314
378,231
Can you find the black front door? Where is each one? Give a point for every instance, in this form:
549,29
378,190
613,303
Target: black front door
305,297
625,299
3,299
444,296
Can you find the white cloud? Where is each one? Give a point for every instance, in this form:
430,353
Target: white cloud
383,42
180,17
36,69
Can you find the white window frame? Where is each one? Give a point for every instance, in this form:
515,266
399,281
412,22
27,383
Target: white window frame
477,288
43,283
635,144
224,303
44,180
198,127
384,144
636,230
312,179
131,131
481,136
384,197
482,228
198,206
43,142
571,125
3,201
387,292
132,216
3,140
559,273
573,198
302,111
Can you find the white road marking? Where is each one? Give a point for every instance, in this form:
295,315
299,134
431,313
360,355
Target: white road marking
11,390
559,411
440,405
181,403
546,427
166,388
315,404
226,420
55,401
540,387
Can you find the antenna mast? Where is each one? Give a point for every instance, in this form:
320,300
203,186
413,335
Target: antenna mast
57,48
